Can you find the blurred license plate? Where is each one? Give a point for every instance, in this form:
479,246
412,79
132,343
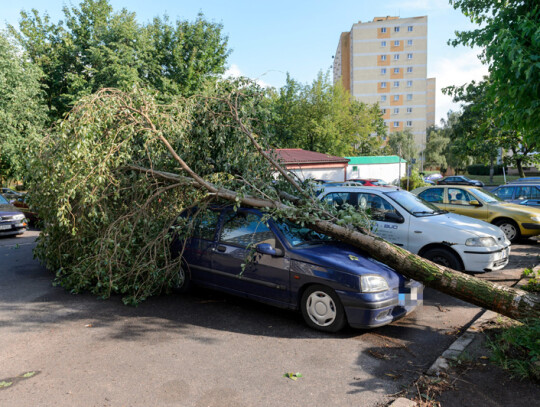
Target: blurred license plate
5,227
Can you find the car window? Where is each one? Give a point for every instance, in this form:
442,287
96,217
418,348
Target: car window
434,195
377,207
297,235
504,192
458,196
245,229
338,199
3,200
527,192
205,224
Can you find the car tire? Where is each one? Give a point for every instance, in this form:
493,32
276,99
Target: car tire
443,257
322,309
510,229
182,282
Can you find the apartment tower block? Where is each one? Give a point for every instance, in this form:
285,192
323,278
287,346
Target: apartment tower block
385,61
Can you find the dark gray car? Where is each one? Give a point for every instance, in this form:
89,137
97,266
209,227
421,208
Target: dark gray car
12,221
526,193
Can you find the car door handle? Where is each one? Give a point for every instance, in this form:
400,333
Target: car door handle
221,249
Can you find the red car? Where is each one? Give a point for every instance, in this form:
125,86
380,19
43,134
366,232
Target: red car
371,182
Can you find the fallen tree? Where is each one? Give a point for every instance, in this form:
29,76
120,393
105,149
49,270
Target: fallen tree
108,218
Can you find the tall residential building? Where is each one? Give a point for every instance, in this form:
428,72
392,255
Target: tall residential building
385,61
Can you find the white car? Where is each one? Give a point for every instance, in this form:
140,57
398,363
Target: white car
452,240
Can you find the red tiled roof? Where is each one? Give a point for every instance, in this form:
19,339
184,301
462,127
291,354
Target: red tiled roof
299,156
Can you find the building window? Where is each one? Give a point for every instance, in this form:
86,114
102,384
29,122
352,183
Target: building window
409,110
409,42
383,98
396,70
409,96
396,84
396,98
409,56
409,123
383,57
383,29
383,85
396,124
396,110
396,57
396,29
409,28
409,84
396,43
409,69
383,43
383,71
383,111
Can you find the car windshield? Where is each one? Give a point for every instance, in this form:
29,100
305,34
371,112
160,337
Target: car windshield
297,235
3,200
486,196
413,204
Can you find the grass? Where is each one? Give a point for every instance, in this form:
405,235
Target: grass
516,348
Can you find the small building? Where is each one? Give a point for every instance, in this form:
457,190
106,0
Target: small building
310,164
386,167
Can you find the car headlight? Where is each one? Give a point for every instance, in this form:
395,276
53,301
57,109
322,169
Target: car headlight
481,241
535,218
18,217
373,284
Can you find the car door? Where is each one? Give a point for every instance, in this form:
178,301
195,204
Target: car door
460,201
389,223
263,276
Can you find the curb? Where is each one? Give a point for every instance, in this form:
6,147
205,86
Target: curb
460,344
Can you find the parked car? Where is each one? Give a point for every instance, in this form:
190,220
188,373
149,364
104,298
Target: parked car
405,220
370,182
522,193
514,220
10,194
21,204
12,221
342,184
296,268
459,180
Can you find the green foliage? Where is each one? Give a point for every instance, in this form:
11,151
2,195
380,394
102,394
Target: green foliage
480,169
322,117
414,181
95,47
517,348
22,112
436,148
533,283
106,226
509,35
401,143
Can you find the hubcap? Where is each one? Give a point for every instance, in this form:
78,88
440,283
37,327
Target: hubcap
321,308
509,230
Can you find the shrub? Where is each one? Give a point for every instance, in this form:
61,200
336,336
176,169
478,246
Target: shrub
480,169
415,181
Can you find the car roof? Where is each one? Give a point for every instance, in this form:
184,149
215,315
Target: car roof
449,186
359,189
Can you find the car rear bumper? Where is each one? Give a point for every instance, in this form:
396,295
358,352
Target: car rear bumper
362,313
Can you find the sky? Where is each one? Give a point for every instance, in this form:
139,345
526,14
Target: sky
269,39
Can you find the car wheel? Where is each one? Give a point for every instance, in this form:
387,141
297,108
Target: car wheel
182,282
322,309
510,229
444,257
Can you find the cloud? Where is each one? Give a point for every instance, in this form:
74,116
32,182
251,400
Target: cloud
234,71
455,71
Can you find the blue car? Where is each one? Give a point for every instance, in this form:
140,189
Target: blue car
246,253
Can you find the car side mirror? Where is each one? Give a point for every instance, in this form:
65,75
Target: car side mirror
266,248
393,217
475,203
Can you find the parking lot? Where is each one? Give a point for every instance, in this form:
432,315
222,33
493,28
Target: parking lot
205,348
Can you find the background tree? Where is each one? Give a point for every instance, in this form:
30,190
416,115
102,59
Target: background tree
322,117
96,47
508,35
22,111
435,154
401,143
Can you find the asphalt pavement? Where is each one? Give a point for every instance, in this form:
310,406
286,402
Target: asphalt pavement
204,348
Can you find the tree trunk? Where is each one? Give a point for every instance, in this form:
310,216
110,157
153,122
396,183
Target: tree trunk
491,168
519,166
